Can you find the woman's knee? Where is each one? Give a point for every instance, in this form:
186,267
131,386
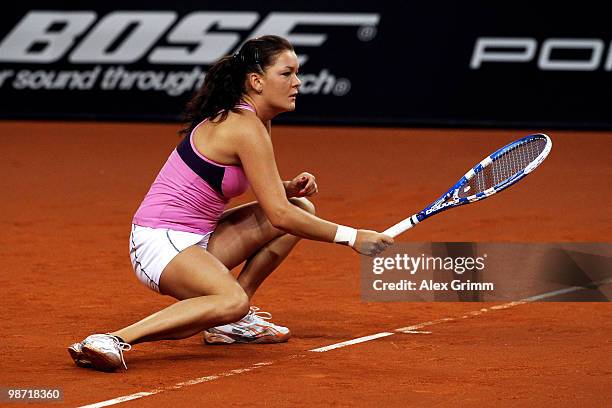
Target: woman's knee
234,306
303,203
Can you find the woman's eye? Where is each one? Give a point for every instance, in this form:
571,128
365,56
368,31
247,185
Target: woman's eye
286,73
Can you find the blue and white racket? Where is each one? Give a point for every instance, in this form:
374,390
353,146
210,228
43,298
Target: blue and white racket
496,172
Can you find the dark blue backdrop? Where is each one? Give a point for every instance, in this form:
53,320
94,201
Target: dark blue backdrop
442,63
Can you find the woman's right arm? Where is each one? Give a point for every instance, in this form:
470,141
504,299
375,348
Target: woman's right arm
256,154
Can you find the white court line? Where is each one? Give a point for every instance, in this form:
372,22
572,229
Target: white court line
407,330
505,305
508,305
176,386
424,324
349,342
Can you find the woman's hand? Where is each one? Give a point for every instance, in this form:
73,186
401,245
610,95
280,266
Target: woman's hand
303,185
371,243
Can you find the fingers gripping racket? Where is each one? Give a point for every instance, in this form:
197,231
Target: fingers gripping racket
496,172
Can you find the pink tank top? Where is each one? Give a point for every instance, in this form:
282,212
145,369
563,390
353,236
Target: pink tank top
190,192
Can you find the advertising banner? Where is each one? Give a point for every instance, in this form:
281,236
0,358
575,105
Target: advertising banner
375,63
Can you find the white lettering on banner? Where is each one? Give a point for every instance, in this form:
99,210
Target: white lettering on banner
5,74
57,31
594,45
149,26
159,37
324,83
283,24
523,50
36,29
173,83
41,79
210,46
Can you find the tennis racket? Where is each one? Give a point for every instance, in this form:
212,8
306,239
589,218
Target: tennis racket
495,173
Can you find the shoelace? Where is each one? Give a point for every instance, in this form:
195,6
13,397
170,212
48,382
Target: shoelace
255,316
122,347
258,315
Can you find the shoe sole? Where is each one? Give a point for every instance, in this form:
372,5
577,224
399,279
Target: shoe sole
77,357
98,360
219,339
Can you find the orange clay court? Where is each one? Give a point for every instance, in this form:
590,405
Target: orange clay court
69,191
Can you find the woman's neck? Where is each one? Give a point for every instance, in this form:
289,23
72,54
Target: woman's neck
264,114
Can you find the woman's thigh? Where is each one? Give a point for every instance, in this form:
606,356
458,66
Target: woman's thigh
245,229
240,233
195,272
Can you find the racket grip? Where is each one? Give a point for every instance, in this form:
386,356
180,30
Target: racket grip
401,226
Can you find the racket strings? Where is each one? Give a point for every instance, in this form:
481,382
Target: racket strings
505,166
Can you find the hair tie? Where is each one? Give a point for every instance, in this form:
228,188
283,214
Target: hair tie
256,56
240,58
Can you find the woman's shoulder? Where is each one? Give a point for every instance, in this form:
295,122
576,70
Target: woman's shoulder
244,123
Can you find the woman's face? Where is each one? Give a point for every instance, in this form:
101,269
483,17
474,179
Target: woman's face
280,82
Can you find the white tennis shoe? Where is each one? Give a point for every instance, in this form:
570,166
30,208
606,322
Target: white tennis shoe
103,351
252,328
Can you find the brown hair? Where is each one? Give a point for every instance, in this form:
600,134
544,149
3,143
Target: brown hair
224,84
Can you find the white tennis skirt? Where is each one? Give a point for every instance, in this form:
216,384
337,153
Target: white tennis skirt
152,249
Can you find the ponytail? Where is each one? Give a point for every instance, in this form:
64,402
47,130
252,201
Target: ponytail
220,92
225,82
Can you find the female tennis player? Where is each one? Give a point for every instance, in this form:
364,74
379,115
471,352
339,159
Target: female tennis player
183,244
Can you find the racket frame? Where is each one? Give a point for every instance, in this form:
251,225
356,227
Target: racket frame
451,198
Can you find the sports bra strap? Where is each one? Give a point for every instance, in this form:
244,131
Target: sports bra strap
245,106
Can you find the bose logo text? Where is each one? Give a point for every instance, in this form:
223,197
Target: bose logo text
47,36
523,50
